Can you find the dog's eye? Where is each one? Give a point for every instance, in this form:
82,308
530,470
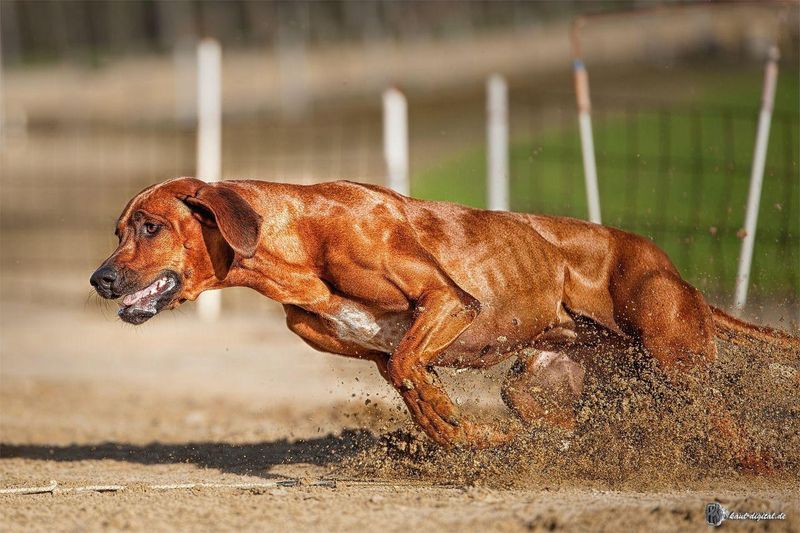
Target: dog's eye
150,228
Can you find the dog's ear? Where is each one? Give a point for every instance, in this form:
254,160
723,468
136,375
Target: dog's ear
216,205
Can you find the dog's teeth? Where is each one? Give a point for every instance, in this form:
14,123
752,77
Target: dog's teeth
155,288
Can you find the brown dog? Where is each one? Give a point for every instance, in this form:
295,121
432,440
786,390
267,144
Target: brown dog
364,272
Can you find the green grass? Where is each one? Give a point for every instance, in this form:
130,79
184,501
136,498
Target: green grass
678,175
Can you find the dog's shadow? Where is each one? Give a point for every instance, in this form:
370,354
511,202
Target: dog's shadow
255,459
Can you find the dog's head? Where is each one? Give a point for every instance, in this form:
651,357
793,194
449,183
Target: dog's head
176,239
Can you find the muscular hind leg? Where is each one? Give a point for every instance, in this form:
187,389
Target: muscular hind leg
542,387
672,320
674,324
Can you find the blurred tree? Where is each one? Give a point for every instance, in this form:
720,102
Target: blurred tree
88,30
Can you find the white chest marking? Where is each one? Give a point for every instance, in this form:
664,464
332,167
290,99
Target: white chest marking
361,327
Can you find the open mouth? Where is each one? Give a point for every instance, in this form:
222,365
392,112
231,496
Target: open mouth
144,304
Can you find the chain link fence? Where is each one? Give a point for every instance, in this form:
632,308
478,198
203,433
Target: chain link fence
679,175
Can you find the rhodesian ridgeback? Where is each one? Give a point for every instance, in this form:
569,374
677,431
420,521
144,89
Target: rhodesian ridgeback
364,272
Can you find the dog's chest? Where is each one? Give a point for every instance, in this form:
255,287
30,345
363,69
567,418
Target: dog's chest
359,326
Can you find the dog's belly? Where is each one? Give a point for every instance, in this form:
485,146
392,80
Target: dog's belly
499,333
492,338
383,331
478,348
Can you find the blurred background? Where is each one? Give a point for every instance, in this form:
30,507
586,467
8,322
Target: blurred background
98,100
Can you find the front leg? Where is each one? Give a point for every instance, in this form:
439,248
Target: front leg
313,330
440,317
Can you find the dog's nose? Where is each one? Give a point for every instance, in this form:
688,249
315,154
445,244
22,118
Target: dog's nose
102,278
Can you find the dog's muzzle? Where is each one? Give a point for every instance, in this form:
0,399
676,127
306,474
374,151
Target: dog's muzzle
139,306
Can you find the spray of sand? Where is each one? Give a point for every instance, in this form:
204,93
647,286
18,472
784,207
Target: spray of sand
636,430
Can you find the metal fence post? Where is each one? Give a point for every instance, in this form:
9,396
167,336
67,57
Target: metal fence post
209,139
585,125
756,180
395,140
497,139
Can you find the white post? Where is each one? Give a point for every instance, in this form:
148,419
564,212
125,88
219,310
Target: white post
497,139
209,138
587,144
756,180
395,140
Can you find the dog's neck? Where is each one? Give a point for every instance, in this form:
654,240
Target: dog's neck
285,249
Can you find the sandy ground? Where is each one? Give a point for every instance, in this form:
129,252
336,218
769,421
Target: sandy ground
87,400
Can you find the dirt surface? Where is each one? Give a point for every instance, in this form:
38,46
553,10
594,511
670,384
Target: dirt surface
86,401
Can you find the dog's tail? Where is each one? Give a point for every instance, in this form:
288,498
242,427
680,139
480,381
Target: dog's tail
743,333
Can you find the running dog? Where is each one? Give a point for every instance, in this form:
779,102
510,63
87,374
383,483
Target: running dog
364,272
